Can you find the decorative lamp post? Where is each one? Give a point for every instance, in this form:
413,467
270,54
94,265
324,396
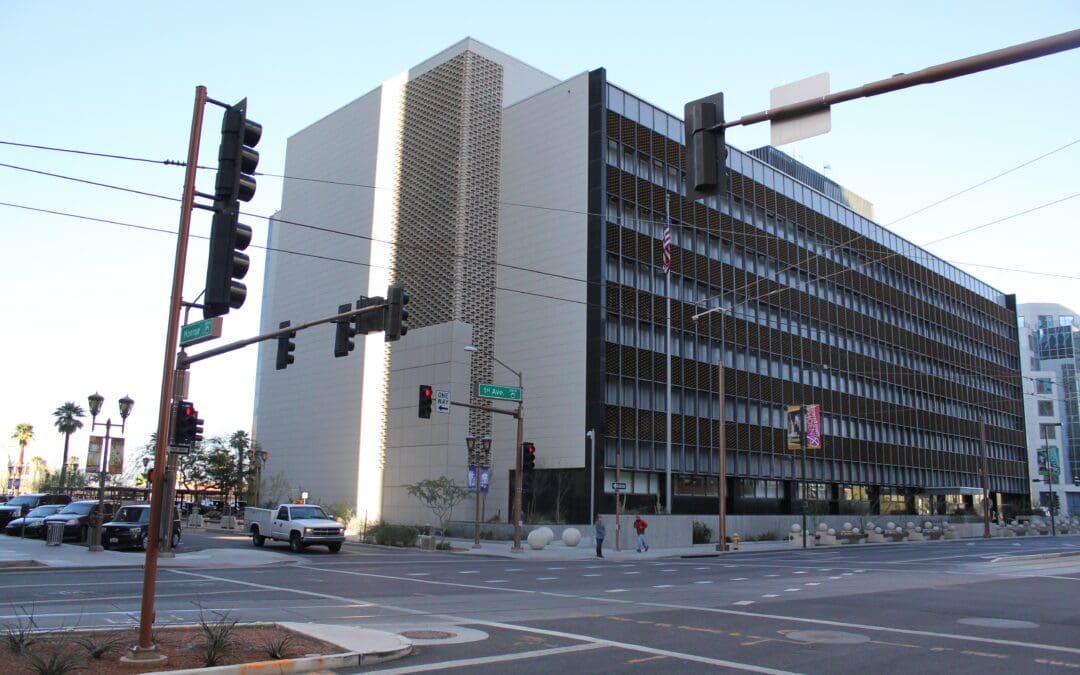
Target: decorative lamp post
126,404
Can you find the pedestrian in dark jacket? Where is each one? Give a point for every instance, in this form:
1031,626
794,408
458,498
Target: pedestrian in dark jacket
639,527
600,532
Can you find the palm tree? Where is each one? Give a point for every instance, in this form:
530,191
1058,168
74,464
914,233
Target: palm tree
24,433
67,422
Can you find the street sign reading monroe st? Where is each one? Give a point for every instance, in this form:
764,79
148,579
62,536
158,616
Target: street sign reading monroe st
200,331
498,392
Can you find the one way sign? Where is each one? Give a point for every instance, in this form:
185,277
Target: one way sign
442,402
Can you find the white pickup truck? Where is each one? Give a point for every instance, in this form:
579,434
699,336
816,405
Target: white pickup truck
301,525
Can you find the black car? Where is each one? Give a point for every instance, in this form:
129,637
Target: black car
34,522
79,518
17,507
128,528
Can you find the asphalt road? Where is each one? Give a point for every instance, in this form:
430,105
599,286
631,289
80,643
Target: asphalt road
939,607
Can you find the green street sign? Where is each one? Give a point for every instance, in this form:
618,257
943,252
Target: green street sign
498,392
200,331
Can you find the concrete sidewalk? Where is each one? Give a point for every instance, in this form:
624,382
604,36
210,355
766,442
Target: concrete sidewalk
586,550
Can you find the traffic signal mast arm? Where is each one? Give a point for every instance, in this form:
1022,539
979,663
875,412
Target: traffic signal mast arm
183,359
501,411
945,71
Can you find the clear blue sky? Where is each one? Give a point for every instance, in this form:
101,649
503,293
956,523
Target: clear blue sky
85,303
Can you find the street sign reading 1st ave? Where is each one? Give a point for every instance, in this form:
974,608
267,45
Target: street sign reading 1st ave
499,392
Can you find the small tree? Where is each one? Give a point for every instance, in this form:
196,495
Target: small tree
440,495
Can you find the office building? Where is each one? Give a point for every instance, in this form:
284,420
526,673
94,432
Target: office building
525,215
1050,356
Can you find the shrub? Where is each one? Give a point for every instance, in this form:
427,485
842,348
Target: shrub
219,636
20,635
393,535
702,533
276,648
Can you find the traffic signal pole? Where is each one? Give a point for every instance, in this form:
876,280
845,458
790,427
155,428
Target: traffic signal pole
146,650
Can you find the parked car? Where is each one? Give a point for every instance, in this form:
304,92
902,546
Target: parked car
34,522
17,507
78,517
128,528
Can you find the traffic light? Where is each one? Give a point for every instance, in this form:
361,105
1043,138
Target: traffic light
188,429
285,347
528,457
344,333
706,152
373,321
397,316
237,159
425,401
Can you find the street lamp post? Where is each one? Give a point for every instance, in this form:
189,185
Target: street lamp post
520,415
721,487
95,401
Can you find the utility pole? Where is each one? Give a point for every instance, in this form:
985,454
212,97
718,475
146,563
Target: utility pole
985,485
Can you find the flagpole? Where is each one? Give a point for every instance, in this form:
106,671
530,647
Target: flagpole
667,298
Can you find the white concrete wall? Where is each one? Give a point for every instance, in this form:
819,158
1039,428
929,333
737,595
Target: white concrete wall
545,165
418,449
306,415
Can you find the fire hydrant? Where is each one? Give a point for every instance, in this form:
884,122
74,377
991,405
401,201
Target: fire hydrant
735,541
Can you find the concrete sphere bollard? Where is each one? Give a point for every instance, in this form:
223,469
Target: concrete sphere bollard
890,525
537,540
831,532
877,530
847,527
910,525
823,527
549,535
571,536
795,529
855,530
928,525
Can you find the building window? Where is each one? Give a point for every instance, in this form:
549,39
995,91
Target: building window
1046,408
1066,320
1044,385
1048,432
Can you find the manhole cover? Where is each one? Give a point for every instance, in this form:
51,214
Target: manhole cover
426,634
831,637
987,622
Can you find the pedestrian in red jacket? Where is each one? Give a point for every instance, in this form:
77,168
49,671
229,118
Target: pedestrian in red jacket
639,527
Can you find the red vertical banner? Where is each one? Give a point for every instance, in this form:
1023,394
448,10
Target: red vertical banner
813,426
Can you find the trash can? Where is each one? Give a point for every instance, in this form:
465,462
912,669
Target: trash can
54,536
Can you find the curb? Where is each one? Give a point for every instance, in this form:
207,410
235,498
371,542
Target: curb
301,665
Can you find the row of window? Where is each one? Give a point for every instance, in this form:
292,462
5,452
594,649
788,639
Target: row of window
738,162
648,277
652,337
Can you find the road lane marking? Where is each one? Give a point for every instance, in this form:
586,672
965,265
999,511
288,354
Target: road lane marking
418,574
800,572
615,590
770,595
663,586
631,572
546,578
811,583
743,602
740,579
495,581
772,575
702,582
792,590
469,572
500,658
646,659
556,568
592,575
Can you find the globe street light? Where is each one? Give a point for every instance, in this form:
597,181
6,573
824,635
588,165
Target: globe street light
126,404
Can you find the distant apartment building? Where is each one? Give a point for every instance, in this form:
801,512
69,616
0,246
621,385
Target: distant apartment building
1050,358
525,215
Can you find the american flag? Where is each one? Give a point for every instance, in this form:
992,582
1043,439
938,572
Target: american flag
667,245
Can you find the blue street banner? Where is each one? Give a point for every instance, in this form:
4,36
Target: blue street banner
484,479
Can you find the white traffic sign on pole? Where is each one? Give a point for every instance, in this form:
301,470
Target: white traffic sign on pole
442,401
803,126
